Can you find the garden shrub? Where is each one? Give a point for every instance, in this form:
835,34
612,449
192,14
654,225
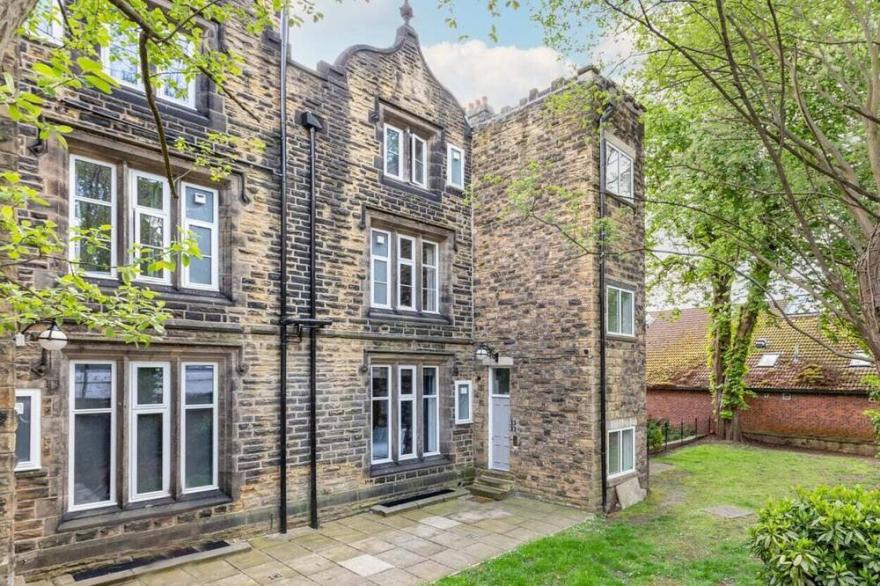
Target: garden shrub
655,435
829,535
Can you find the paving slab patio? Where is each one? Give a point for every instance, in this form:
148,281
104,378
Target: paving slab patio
415,547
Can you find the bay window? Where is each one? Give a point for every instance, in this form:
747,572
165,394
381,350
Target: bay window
94,198
404,412
412,274
151,436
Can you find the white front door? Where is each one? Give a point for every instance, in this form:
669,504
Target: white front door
499,418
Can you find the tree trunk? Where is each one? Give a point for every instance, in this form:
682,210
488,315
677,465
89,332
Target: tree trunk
12,14
719,314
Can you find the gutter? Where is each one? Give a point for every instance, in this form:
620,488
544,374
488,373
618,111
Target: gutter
603,423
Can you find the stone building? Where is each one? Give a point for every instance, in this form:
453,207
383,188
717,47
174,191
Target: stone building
136,451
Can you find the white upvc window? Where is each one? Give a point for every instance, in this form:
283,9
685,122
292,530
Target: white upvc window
48,26
406,412
92,467
418,160
380,414
199,445
430,411
463,402
454,166
28,411
151,209
174,85
621,451
149,430
380,268
393,152
430,277
200,212
121,59
618,172
92,186
620,312
406,272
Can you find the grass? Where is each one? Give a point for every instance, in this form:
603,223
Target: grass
670,539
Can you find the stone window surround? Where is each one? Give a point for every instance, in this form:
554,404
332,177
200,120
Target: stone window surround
624,147
410,125
125,509
443,364
144,160
442,236
627,286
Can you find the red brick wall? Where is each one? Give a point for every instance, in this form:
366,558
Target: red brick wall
832,417
679,406
819,416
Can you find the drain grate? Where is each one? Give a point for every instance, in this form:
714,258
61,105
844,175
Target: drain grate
129,565
416,497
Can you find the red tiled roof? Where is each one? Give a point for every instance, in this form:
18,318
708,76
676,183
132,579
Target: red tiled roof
677,355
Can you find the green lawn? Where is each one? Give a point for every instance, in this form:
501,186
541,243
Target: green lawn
670,539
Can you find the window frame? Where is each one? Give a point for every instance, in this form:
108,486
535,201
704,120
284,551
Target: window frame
73,222
56,35
470,386
189,103
449,182
621,471
401,155
138,210
412,399
415,138
112,500
436,399
214,226
372,399
34,462
389,283
632,311
436,267
620,154
191,88
413,280
215,431
134,410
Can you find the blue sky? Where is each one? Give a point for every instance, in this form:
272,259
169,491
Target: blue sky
472,67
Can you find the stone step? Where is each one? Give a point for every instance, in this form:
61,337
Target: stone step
501,483
487,491
497,474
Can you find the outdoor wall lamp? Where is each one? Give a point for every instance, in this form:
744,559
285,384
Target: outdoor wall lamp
52,338
484,351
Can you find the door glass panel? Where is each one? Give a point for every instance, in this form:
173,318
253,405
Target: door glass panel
92,386
501,382
406,427
380,429
149,453
91,473
199,384
150,385
199,444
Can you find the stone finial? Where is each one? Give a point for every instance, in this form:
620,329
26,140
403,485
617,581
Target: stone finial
406,12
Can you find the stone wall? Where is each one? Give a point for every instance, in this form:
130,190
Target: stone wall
537,298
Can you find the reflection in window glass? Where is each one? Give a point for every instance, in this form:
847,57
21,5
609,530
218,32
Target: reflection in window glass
381,411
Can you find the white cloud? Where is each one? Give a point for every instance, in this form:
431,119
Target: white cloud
472,69
615,54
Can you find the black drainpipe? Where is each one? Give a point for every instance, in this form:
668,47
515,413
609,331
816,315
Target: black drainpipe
282,439
313,124
603,424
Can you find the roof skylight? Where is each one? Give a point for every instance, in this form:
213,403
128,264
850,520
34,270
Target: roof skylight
769,359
